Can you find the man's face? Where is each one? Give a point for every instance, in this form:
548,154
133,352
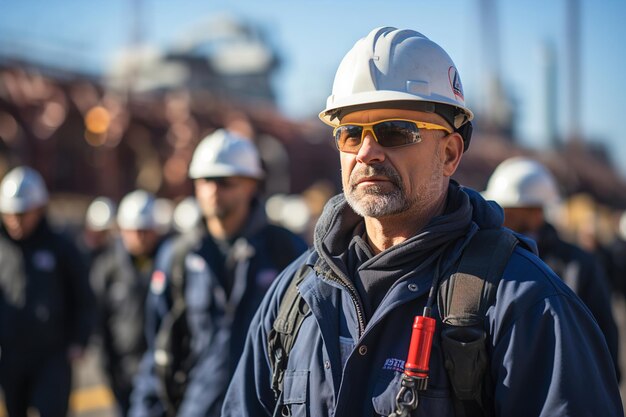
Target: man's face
139,242
21,225
380,182
222,197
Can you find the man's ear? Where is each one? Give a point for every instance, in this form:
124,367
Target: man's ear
452,153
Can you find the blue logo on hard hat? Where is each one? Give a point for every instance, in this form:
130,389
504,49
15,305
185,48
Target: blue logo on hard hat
455,82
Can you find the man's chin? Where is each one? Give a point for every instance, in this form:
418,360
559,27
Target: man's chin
373,205
16,234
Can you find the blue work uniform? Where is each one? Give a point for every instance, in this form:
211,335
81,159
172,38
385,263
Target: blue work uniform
224,285
46,305
120,282
584,274
547,355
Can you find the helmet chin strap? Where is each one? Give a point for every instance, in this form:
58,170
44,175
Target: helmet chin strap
466,133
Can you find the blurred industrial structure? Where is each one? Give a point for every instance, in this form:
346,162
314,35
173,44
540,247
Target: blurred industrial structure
137,125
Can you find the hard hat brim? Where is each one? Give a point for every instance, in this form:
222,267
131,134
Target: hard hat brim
223,170
372,97
21,206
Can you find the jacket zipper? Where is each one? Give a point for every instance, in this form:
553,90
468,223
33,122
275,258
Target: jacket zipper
354,296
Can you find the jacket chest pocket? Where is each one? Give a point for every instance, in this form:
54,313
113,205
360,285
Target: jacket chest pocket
430,402
45,289
293,401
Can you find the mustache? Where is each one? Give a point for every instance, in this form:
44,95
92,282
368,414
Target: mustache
375,171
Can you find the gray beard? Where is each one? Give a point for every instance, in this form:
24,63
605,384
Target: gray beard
375,204
374,201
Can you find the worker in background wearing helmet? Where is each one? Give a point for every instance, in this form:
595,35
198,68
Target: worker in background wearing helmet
186,215
615,257
120,279
46,304
385,249
164,214
529,195
209,282
99,228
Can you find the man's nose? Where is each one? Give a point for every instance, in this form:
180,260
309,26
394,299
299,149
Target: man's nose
370,150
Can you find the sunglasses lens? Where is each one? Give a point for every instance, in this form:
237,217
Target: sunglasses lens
348,138
223,182
389,134
396,133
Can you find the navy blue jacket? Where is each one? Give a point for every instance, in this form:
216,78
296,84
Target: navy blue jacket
218,322
584,274
121,286
547,356
46,302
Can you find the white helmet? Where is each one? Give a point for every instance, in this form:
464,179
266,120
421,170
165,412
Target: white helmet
163,212
224,154
522,182
100,214
137,211
392,65
22,189
187,214
621,230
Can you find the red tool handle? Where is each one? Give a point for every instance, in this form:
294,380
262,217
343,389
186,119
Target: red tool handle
419,350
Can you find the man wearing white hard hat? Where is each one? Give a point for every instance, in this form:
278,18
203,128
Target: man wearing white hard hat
614,256
209,282
99,228
46,304
120,278
530,197
416,301
186,215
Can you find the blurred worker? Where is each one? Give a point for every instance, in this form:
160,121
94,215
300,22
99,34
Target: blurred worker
97,233
614,255
406,261
46,304
528,193
588,238
208,284
121,278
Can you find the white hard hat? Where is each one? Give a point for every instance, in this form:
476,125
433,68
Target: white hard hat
187,214
163,212
224,154
137,211
522,182
100,214
392,65
621,230
290,211
22,189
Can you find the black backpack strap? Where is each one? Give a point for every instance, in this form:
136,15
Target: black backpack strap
463,300
177,273
172,343
281,338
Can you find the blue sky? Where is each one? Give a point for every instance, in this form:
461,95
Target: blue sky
313,36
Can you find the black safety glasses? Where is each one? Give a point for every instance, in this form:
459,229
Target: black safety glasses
223,182
389,133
